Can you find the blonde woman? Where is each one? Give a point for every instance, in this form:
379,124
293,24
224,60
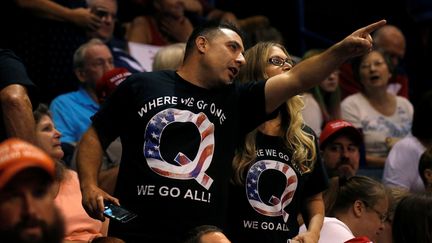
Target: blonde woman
169,57
278,172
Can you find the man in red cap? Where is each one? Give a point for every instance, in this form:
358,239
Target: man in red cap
27,210
340,144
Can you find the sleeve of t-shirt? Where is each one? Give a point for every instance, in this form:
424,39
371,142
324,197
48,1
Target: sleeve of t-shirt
112,115
318,180
252,105
334,231
13,71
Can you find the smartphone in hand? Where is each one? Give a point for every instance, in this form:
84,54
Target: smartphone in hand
118,213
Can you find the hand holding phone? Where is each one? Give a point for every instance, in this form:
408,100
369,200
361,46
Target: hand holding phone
118,213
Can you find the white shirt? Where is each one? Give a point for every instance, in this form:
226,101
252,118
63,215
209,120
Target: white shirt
401,166
312,114
377,127
332,231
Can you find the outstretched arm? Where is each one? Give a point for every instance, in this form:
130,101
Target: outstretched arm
52,10
88,164
311,71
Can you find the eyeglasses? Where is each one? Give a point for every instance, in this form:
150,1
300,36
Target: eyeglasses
382,216
278,61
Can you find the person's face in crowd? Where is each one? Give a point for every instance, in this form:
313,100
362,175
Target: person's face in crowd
374,71
278,62
214,237
98,60
331,83
172,8
27,210
223,59
428,176
386,235
48,137
374,218
341,157
107,11
394,45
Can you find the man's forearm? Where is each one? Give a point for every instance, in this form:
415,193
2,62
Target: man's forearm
17,113
46,9
89,158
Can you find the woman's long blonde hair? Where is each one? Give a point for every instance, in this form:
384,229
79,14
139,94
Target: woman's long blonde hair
301,143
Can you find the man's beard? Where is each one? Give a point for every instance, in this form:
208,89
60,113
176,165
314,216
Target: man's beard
342,170
53,233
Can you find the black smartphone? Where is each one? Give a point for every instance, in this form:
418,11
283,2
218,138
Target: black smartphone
118,213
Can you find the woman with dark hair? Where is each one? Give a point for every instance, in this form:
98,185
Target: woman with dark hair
413,209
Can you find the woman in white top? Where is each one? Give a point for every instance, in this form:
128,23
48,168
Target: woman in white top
383,117
358,208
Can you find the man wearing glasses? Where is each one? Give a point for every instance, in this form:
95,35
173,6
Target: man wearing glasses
106,10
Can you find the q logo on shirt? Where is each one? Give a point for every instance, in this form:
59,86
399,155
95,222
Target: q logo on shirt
276,205
186,168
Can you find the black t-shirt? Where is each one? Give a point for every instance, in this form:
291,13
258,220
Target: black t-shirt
265,209
12,71
178,143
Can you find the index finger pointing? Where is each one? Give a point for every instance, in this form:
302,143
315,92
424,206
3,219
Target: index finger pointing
372,27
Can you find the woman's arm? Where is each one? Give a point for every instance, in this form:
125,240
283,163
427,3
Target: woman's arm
315,216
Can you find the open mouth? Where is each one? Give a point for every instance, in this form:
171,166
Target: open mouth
234,71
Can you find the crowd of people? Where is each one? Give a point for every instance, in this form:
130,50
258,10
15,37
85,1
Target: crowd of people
225,140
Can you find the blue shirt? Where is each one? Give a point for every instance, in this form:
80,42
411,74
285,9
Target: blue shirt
71,114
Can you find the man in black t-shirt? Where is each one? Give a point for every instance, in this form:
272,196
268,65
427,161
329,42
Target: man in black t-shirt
179,130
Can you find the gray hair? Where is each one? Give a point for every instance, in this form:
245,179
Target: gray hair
79,55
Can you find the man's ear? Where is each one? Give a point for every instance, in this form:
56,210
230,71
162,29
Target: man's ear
201,43
79,73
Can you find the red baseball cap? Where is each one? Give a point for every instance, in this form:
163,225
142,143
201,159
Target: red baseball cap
338,127
110,80
17,155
